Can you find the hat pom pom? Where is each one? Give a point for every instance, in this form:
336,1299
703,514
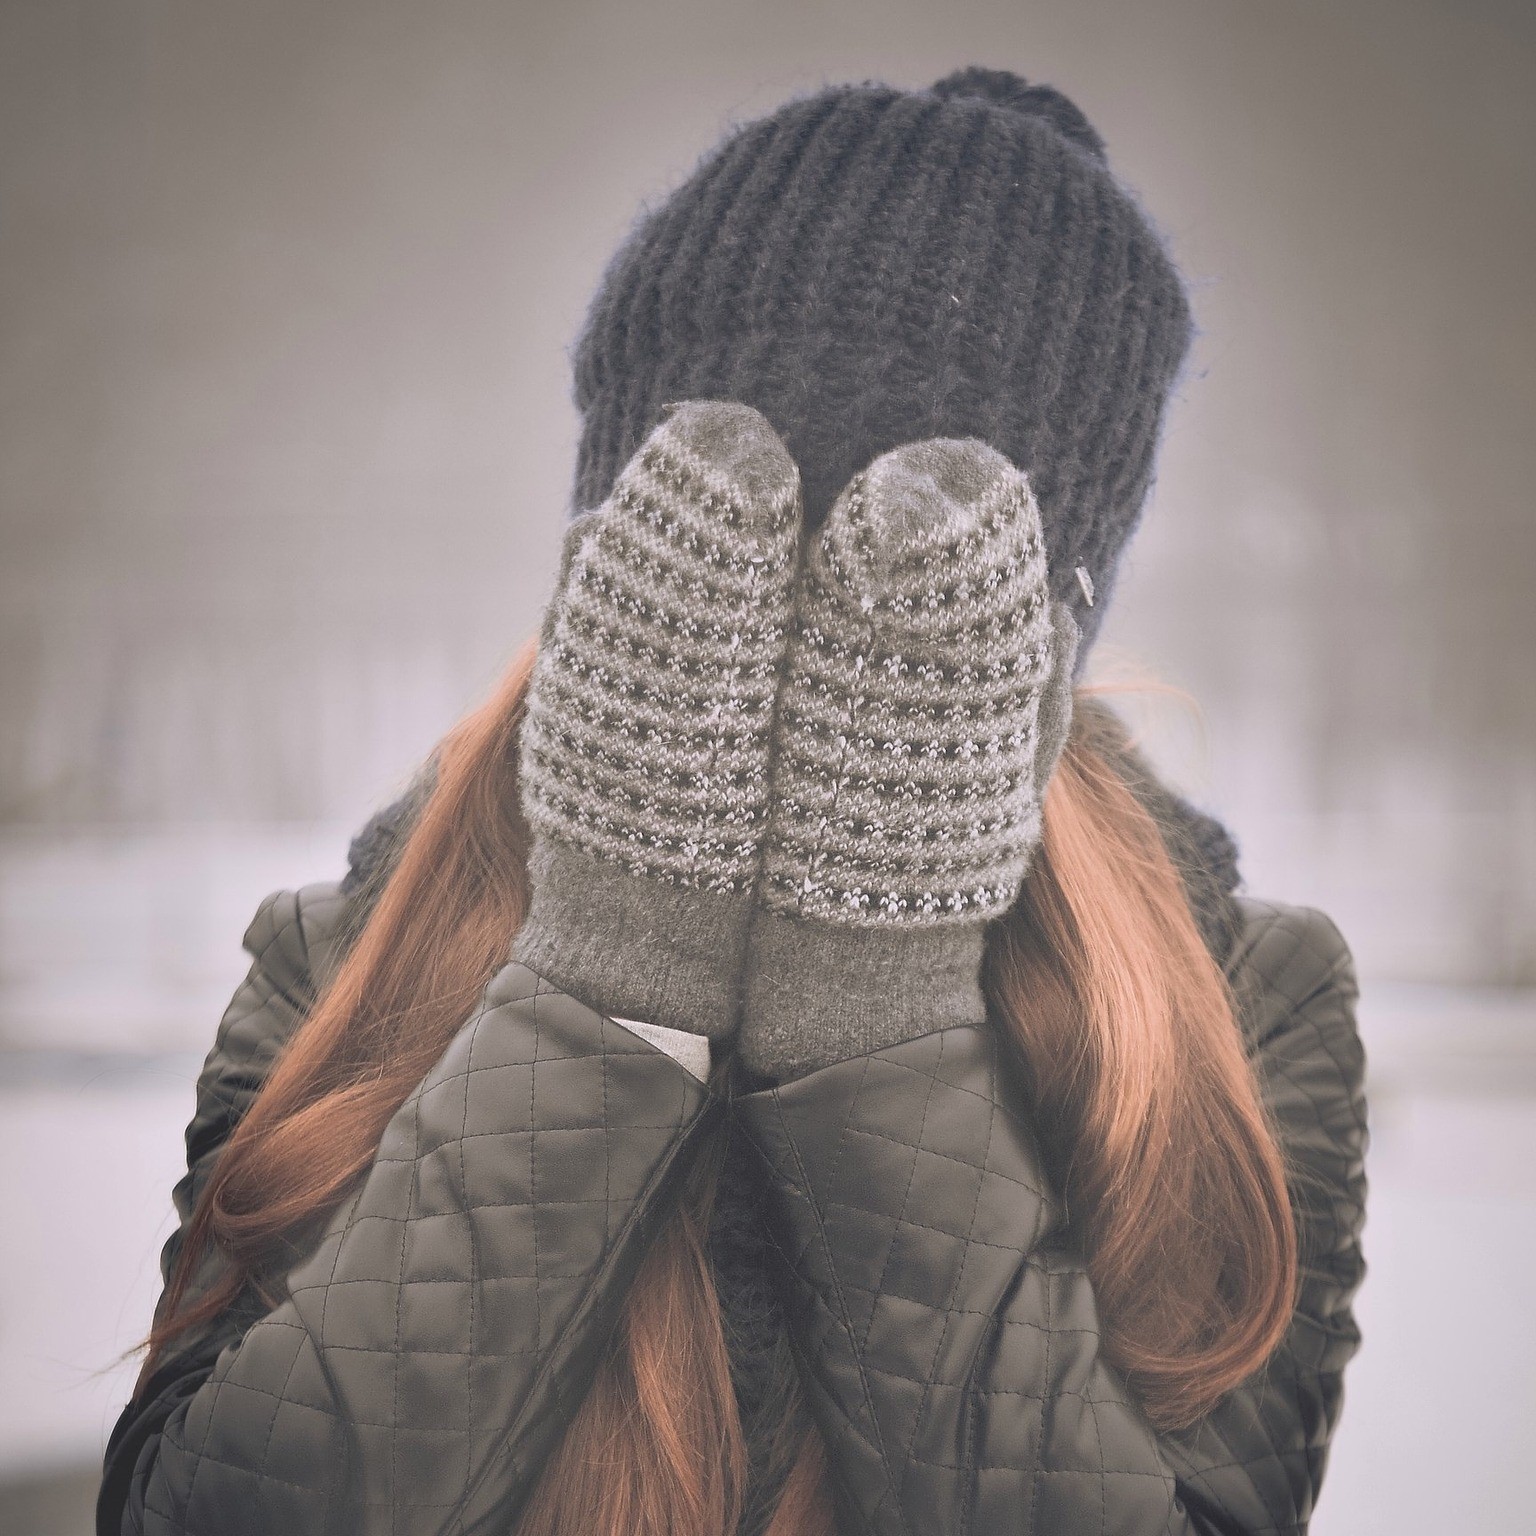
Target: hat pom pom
1006,89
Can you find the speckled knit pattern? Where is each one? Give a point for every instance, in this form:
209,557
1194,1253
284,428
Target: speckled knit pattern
904,789
925,700
645,745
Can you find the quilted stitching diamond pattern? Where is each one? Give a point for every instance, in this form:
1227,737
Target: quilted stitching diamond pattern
883,1206
950,1350
434,1342
950,1342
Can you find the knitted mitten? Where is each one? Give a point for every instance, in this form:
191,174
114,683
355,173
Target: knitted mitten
645,744
926,698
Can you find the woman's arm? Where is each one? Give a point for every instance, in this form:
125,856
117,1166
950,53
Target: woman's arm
430,1349
949,1338
949,1343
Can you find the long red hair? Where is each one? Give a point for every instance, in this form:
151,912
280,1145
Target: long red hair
1149,1109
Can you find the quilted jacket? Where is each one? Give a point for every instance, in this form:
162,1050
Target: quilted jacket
434,1340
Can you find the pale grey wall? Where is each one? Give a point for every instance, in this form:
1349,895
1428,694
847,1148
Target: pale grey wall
287,291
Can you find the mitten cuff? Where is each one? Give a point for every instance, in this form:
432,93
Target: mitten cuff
632,945
818,993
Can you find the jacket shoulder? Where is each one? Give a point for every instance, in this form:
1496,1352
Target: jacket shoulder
1294,978
295,941
293,935
1288,961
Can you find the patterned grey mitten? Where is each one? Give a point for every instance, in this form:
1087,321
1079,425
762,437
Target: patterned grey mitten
645,745
927,696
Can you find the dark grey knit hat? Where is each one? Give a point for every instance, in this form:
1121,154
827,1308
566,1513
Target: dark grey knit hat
870,266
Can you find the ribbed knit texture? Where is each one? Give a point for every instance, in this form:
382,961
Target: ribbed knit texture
871,266
909,756
645,745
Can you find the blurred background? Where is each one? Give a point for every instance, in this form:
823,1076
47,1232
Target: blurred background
285,447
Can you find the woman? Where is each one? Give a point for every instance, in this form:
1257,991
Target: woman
728,1092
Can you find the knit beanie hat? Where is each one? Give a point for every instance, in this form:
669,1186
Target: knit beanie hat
870,266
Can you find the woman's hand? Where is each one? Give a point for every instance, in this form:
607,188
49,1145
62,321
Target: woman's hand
787,788
645,749
926,697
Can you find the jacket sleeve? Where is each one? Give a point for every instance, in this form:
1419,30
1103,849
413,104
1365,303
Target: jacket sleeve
428,1351
947,1332
1256,1461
